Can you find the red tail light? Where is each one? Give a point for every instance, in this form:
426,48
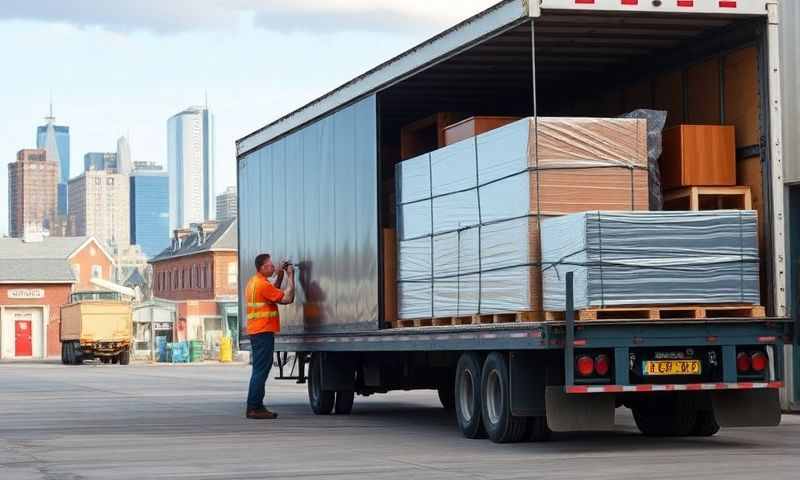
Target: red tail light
602,365
585,366
758,362
743,362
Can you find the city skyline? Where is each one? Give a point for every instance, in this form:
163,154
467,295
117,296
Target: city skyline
152,68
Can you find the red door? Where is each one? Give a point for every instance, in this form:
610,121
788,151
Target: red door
23,341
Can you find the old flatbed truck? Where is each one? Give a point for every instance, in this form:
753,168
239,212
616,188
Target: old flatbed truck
317,186
96,324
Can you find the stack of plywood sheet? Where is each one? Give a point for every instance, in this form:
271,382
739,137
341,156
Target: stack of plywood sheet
469,214
651,258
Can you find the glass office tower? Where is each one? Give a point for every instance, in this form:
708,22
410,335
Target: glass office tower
150,210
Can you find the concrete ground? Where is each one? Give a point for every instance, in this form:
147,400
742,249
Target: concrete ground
186,422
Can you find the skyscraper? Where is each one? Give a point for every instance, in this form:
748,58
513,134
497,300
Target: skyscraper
99,207
55,139
32,189
226,204
100,161
149,201
124,164
190,155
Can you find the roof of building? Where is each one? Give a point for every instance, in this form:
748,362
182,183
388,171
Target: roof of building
224,238
49,247
35,270
135,278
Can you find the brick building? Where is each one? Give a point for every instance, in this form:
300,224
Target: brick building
37,275
32,192
198,272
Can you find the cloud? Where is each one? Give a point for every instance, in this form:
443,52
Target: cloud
173,16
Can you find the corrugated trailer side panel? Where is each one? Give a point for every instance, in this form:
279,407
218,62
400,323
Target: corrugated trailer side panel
311,196
790,54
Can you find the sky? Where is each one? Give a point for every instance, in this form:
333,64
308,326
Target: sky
123,67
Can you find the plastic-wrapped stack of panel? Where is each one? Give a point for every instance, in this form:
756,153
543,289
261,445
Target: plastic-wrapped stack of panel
651,258
469,213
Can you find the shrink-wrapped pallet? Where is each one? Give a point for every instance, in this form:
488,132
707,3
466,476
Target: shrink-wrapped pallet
651,258
484,199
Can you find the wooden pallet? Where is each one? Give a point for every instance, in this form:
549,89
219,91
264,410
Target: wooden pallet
480,319
672,312
709,198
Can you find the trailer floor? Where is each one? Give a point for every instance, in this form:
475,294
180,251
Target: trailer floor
185,422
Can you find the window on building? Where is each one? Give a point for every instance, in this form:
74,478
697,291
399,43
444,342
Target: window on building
76,269
233,273
97,271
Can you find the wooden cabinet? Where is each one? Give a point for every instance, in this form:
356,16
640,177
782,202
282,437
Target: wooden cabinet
425,135
473,126
699,155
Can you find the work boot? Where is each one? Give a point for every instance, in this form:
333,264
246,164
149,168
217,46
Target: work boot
260,414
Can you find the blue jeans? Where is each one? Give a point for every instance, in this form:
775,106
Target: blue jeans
262,345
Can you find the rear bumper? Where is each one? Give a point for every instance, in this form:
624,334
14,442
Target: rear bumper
671,388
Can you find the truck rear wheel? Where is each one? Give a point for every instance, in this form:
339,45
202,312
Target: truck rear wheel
666,416
501,425
706,424
321,401
125,357
538,431
64,359
467,395
344,402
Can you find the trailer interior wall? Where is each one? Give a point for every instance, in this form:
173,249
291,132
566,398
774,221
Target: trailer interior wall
703,69
311,197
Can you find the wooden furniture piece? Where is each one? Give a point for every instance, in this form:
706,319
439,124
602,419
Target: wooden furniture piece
473,126
697,155
426,134
389,275
709,198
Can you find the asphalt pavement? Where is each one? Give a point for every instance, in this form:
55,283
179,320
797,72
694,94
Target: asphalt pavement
187,422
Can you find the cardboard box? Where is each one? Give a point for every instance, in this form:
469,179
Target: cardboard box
699,155
473,126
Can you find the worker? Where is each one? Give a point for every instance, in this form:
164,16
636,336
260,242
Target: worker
262,298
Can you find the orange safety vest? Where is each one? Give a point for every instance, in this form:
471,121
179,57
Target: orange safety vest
262,311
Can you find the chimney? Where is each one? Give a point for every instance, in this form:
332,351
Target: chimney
205,229
179,236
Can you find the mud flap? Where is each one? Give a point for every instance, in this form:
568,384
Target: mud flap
747,408
579,412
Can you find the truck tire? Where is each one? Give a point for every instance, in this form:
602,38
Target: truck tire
467,394
668,416
705,425
125,357
447,393
344,402
538,431
75,353
64,360
105,359
321,401
501,425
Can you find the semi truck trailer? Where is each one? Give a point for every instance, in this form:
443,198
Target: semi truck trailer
317,186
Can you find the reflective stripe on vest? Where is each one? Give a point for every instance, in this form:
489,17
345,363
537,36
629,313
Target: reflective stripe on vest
262,315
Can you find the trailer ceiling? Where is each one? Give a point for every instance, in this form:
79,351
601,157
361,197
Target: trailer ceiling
574,51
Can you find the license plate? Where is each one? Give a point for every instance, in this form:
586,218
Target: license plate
671,367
